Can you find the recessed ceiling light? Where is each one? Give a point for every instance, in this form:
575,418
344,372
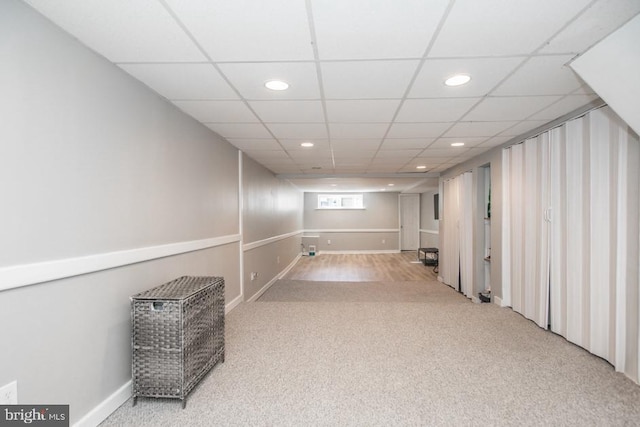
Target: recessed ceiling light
390,185
421,167
334,185
307,144
457,144
383,189
457,80
277,85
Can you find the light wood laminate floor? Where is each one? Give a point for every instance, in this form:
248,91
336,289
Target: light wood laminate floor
361,268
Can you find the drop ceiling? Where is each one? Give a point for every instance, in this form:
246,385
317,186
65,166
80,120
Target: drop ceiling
366,76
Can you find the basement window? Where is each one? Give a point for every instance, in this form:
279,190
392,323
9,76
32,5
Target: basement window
340,201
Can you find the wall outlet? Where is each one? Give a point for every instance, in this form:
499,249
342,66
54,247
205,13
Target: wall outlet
328,242
9,394
254,275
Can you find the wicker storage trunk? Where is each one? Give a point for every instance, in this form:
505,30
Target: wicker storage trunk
177,336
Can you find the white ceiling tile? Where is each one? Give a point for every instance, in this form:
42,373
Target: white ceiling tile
355,144
240,130
358,130
280,169
362,110
541,75
323,163
367,79
289,111
311,156
427,161
294,144
351,162
601,19
354,154
123,30
217,111
348,169
284,168
406,144
468,142
182,81
485,74
435,110
302,131
249,79
255,144
417,130
564,106
365,29
477,129
498,27
443,152
398,154
470,153
384,168
412,169
495,141
389,161
443,167
523,127
509,108
247,30
267,154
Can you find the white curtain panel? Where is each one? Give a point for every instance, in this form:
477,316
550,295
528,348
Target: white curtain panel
450,260
595,237
466,232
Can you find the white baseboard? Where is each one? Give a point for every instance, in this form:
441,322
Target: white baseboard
233,304
289,267
440,279
106,408
498,301
263,290
368,252
272,281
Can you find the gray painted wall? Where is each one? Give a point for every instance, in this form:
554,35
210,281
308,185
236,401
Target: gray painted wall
271,207
93,162
380,213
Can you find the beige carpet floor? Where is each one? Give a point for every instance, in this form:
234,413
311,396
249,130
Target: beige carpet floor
399,354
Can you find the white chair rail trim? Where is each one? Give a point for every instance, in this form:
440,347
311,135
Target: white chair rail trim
30,274
268,241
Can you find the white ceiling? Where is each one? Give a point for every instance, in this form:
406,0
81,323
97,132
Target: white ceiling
366,76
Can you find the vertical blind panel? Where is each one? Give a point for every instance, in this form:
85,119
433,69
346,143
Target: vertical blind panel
530,191
506,228
558,227
466,233
542,219
517,226
451,215
627,335
577,281
600,244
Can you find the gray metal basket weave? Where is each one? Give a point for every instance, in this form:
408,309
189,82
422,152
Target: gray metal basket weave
177,336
